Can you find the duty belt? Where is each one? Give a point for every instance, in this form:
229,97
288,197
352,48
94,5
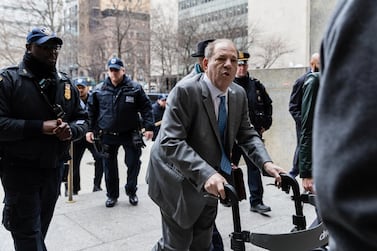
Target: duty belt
104,132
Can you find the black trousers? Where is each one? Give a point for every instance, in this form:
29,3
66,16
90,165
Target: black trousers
217,241
254,177
79,148
31,193
110,165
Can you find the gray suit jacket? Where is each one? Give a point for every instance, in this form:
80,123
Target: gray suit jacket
187,150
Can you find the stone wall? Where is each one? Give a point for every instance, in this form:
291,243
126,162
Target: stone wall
280,139
320,13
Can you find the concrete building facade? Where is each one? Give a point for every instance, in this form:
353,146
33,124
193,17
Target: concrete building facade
299,23
209,14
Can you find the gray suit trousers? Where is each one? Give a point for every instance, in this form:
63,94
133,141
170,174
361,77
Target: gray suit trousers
196,238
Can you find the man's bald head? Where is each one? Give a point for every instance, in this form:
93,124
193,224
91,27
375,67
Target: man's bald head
315,62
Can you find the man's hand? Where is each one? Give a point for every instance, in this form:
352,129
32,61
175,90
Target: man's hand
49,126
89,137
308,184
215,185
62,131
274,171
148,135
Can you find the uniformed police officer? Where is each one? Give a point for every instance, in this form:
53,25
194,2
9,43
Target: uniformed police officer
79,146
114,109
260,113
40,114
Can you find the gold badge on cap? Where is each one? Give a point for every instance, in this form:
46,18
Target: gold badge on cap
67,92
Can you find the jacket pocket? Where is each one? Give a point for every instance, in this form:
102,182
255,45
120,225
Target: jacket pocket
174,173
20,211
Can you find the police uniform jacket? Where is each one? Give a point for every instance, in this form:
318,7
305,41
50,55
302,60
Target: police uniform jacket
259,102
22,112
115,109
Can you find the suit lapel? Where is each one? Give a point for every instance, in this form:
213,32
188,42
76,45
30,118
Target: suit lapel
209,108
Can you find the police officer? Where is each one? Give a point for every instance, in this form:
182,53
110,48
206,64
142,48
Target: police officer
79,146
260,113
40,114
115,107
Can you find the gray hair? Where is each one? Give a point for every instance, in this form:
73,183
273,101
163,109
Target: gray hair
209,50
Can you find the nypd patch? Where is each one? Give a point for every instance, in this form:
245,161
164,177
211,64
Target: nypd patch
130,99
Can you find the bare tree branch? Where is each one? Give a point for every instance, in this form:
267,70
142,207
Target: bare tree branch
47,12
271,48
164,47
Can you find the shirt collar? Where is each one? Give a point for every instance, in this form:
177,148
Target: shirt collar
215,92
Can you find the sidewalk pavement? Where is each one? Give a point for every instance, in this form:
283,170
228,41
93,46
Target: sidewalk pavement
86,224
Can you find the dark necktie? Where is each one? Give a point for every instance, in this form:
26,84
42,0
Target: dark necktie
222,120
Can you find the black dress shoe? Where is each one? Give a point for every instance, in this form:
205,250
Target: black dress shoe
96,188
111,202
260,208
133,199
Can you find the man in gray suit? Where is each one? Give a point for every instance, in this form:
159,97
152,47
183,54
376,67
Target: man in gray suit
345,128
185,162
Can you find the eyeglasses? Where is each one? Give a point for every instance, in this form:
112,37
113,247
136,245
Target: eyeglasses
114,69
47,47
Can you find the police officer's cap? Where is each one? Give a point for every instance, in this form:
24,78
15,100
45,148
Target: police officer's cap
243,57
41,35
115,63
162,96
201,46
81,81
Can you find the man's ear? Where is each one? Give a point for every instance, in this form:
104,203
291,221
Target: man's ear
28,48
205,64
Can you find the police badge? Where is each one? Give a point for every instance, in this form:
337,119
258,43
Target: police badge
67,92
